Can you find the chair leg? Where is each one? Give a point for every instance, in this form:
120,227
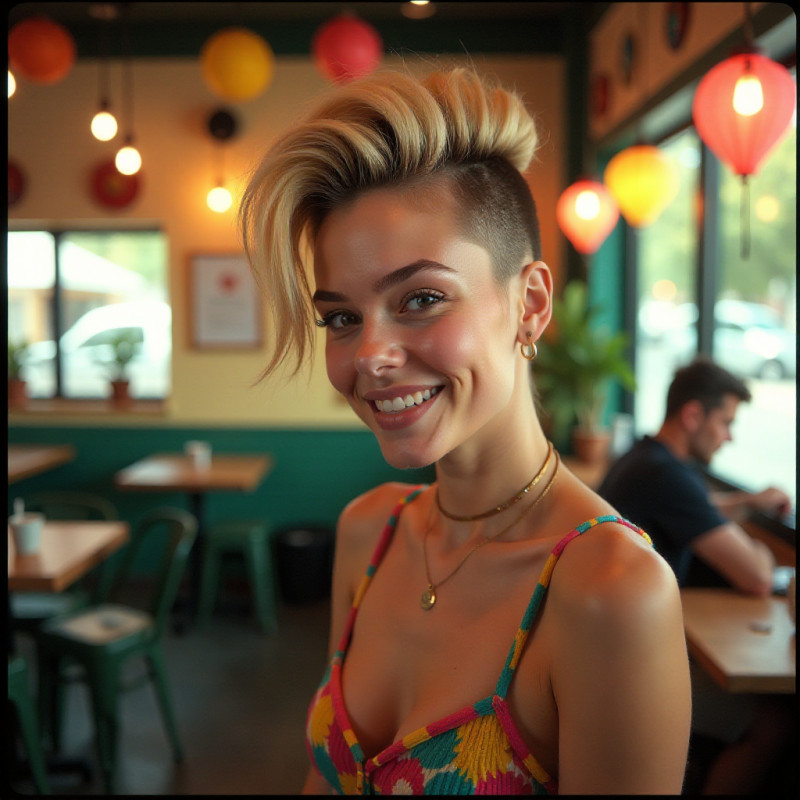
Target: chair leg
261,582
209,585
29,726
103,683
51,694
158,674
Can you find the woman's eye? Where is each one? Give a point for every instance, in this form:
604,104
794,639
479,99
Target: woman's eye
337,320
422,299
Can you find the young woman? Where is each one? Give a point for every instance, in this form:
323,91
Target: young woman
502,630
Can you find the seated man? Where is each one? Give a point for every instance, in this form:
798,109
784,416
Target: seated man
658,485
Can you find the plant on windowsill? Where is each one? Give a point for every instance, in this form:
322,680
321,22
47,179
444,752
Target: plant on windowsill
576,365
124,349
17,385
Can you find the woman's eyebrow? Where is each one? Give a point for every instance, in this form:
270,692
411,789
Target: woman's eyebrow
387,281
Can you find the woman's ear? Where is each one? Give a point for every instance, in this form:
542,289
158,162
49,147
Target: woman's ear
535,300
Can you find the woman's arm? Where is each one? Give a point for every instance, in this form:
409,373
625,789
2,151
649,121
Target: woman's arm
620,674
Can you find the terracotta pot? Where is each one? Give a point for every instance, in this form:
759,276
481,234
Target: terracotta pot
120,394
591,446
17,393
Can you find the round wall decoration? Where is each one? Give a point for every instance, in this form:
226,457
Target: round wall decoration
16,183
676,23
111,188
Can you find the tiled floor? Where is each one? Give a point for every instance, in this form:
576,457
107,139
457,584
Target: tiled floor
240,699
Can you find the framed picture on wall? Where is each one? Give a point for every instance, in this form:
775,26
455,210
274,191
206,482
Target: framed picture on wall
225,303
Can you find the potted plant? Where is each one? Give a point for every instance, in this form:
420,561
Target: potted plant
124,348
17,386
574,370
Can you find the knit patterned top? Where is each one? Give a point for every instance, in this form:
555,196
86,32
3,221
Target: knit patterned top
476,750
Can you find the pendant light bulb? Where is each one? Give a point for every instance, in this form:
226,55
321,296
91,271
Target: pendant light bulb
12,83
219,199
748,96
128,161
104,126
587,204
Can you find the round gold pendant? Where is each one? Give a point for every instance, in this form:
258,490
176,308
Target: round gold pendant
428,598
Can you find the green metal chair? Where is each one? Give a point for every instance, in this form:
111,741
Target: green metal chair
30,609
19,695
101,639
252,539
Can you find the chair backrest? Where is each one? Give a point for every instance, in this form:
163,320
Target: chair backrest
175,531
66,505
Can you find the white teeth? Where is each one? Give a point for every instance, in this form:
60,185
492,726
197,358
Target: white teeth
401,403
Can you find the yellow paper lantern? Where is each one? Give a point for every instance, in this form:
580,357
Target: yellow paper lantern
237,64
643,181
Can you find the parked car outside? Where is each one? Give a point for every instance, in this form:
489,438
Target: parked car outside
86,352
749,339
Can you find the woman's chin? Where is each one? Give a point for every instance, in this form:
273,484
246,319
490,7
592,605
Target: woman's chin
404,460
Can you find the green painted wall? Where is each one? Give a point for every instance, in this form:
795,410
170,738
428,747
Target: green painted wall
315,473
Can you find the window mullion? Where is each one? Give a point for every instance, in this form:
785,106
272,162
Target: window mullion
708,252
55,311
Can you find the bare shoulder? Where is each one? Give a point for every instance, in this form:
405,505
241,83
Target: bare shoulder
611,578
363,518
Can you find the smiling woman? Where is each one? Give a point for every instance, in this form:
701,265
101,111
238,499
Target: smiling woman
409,199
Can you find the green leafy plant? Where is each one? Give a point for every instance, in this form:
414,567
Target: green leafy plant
17,355
124,348
577,364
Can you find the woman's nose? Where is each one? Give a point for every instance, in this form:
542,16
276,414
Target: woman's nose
378,350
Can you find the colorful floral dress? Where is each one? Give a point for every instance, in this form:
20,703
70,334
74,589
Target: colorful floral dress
477,750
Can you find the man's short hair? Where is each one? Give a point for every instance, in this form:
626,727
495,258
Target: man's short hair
706,382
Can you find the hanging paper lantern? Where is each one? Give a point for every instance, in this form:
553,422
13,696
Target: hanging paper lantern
41,50
643,181
586,213
237,64
346,48
742,108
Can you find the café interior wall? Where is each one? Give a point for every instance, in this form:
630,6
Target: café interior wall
48,137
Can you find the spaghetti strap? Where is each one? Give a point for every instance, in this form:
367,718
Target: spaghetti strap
532,610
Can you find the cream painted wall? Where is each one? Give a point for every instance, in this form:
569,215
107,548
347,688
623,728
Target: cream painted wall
49,138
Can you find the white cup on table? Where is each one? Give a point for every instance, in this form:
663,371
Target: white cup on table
26,530
199,453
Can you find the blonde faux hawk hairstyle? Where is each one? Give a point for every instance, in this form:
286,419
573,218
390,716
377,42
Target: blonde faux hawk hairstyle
379,131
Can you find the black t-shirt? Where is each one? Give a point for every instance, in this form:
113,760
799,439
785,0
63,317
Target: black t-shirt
666,497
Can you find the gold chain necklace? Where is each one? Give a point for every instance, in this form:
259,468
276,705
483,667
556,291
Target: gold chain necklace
428,598
503,506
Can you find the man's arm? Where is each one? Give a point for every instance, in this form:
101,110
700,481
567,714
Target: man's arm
744,562
737,505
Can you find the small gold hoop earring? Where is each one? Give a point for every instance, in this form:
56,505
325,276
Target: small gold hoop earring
528,349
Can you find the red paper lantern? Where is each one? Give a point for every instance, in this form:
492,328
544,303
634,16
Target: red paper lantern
742,108
586,213
41,50
346,48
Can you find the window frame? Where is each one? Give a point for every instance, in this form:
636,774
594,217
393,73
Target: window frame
59,232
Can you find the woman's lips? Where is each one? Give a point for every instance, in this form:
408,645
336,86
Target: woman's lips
403,408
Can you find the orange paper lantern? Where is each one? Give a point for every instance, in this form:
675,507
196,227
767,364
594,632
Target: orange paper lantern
643,181
346,48
237,64
586,213
41,50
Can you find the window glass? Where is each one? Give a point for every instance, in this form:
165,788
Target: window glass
109,283
666,335
755,320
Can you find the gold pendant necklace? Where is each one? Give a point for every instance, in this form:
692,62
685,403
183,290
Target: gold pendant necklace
428,598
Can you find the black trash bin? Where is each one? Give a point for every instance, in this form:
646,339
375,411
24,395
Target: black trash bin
304,560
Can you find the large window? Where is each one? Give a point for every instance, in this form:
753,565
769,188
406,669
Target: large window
72,293
746,304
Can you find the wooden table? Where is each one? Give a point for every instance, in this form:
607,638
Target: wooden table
745,643
173,472
68,551
26,460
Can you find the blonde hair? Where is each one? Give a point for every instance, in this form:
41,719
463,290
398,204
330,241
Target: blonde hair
382,130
